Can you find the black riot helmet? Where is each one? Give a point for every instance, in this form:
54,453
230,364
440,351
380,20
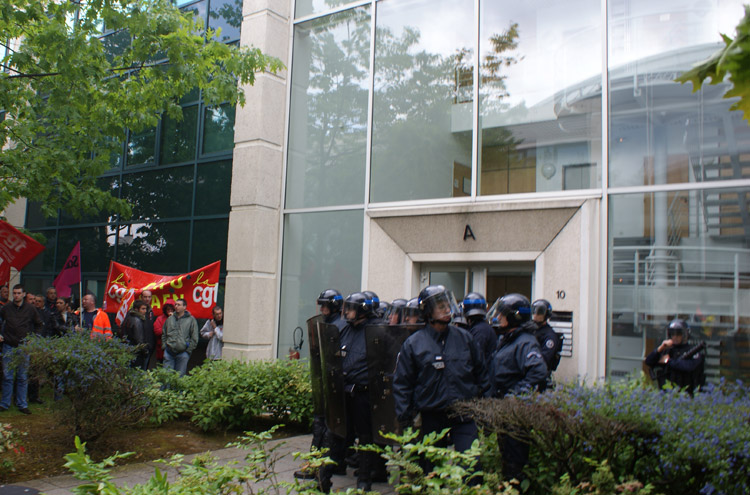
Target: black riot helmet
332,299
382,310
541,307
459,319
438,297
474,304
372,297
395,313
516,309
678,326
411,310
359,302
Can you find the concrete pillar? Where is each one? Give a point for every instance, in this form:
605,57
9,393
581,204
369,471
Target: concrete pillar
254,237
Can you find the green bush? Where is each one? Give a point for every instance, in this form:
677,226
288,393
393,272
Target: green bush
96,378
675,442
234,394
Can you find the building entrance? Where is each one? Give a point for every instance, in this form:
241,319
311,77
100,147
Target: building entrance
493,280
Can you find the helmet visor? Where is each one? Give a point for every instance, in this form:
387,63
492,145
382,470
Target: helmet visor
441,306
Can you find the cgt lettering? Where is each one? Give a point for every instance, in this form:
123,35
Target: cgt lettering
116,292
13,242
206,296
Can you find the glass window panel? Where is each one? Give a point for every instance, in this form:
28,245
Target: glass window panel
158,247
227,15
218,128
111,184
540,96
422,113
683,254
142,147
209,243
198,10
328,121
159,194
44,261
35,218
97,247
660,131
321,250
307,7
213,188
178,138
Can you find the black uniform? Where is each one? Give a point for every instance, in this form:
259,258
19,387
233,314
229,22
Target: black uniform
434,370
484,336
358,412
550,344
319,422
517,367
683,372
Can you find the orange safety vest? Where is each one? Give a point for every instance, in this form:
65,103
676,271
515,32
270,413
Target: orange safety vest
101,327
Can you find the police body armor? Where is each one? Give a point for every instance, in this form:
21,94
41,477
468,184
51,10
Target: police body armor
331,362
383,345
316,373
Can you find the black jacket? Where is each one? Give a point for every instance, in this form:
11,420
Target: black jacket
354,352
133,329
434,370
683,372
485,338
518,365
550,344
19,322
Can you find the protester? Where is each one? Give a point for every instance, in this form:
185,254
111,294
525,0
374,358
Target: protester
167,311
180,338
214,331
20,319
93,319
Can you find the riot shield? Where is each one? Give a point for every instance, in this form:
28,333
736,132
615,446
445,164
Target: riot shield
383,345
316,374
333,378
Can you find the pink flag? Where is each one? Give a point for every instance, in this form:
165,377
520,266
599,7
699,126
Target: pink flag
70,274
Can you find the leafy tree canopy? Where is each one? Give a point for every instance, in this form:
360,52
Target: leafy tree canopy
732,59
68,94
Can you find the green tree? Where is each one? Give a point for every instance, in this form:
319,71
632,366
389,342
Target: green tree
76,74
733,59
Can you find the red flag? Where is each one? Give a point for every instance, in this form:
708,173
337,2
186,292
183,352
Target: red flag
122,312
16,248
70,274
4,273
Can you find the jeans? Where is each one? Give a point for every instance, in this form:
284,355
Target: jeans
20,374
177,362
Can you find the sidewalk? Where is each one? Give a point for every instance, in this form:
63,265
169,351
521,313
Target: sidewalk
133,474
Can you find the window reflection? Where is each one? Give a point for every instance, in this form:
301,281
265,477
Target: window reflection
213,188
178,138
540,106
320,250
141,147
218,128
159,194
159,247
660,131
328,121
227,15
421,135
683,254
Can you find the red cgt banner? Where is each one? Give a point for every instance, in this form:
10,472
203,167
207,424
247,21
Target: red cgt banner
16,248
199,288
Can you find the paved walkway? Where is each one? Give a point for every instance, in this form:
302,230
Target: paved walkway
132,474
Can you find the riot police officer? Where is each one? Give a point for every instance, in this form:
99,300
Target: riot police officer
359,312
412,315
329,307
517,366
676,360
475,310
549,341
437,366
395,314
